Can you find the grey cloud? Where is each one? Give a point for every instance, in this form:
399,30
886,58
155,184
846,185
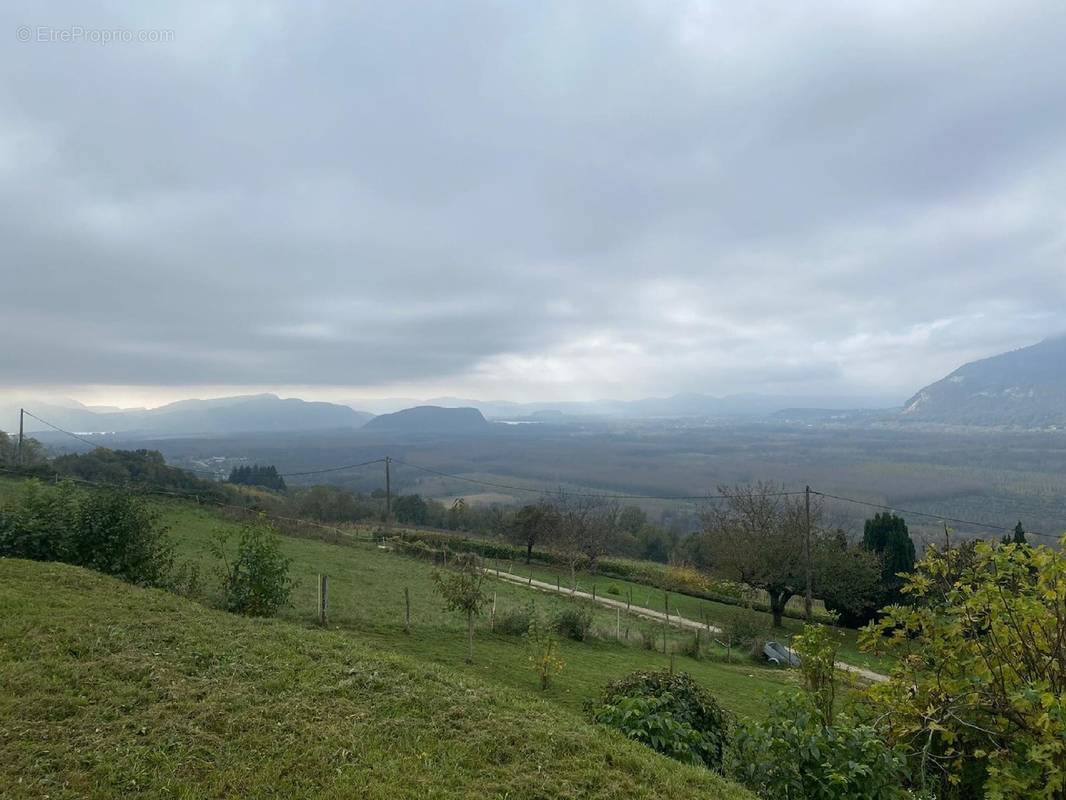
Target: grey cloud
719,197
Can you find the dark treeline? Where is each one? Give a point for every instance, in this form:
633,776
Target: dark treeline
145,467
255,475
31,454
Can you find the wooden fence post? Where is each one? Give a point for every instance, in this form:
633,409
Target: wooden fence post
629,598
492,614
593,591
558,584
618,624
407,610
323,599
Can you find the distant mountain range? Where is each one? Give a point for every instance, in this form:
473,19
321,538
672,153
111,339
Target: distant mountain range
430,419
260,412
675,406
270,413
1023,388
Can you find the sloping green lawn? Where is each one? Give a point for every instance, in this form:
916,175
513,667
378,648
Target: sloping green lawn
114,691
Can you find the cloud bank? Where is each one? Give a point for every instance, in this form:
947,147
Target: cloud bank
530,200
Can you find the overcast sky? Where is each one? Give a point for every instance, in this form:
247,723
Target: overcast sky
527,200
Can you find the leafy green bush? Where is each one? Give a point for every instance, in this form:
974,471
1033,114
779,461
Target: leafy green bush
574,622
109,530
817,647
685,578
980,689
256,581
514,621
668,712
745,629
794,754
39,523
117,533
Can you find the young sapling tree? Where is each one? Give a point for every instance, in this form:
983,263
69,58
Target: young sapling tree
463,590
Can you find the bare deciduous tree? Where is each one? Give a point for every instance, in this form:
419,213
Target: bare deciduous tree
756,537
586,529
533,525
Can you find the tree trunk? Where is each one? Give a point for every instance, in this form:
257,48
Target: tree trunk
470,637
778,600
529,551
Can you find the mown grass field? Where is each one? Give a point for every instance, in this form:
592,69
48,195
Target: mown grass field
366,599
112,691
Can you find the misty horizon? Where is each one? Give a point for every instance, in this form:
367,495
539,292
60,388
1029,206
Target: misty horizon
149,398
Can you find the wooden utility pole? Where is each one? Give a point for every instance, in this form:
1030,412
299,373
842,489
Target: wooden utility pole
407,610
808,599
388,493
22,413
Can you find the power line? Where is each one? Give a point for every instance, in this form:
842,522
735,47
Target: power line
97,445
205,471
1024,507
332,469
94,445
938,517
